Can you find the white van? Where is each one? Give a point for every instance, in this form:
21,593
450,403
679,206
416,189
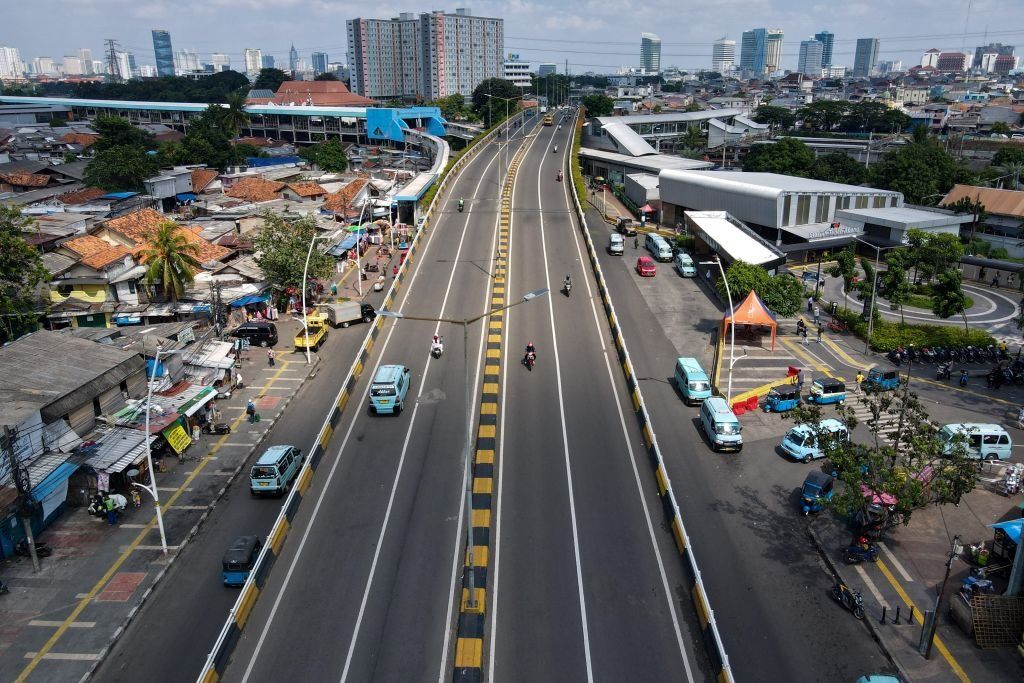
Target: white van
658,247
984,441
615,244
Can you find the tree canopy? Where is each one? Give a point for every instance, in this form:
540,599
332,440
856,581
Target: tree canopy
873,116
780,293
208,141
121,169
281,247
921,170
492,109
326,76
777,117
598,105
837,167
788,156
214,88
21,272
170,259
327,156
270,79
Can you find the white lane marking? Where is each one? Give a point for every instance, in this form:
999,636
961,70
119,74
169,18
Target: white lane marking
896,563
500,446
565,436
871,586
459,544
330,478
601,331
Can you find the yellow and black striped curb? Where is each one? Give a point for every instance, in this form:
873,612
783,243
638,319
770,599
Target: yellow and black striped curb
220,654
469,642
712,639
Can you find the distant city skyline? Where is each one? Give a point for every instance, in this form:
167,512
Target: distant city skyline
599,39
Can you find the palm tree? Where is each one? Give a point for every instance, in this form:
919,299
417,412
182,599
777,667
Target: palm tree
233,117
171,259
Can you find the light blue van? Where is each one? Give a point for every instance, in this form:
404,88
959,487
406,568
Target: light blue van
692,381
801,442
983,441
684,265
275,471
658,247
389,388
721,425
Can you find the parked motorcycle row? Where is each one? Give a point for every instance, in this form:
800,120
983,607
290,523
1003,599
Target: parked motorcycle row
950,354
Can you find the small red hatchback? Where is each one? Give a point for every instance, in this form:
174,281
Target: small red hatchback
645,267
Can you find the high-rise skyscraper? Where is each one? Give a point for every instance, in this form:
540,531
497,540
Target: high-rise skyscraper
293,59
10,63
761,50
723,56
431,56
866,57
809,62
320,62
268,62
991,48
164,53
253,60
220,62
650,53
546,69
85,54
44,66
827,39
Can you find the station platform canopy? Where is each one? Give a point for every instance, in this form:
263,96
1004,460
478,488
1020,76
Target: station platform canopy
732,240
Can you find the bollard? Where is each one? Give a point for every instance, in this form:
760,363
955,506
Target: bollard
910,617
897,619
882,620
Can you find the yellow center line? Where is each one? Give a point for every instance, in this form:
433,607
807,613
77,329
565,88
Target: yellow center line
84,602
939,645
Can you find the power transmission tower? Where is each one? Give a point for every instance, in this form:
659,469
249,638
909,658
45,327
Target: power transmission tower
113,66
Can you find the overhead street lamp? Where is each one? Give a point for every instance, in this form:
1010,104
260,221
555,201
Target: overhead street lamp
467,460
732,325
874,286
507,100
305,276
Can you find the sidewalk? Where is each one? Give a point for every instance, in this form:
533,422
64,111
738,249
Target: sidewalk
98,575
908,574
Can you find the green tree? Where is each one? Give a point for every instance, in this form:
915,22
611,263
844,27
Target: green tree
598,105
270,79
893,284
170,259
327,156
913,464
454,107
21,272
208,142
1000,128
776,117
692,107
940,252
743,278
281,248
117,132
919,170
489,99
948,298
787,156
837,167
233,118
973,207
823,115
120,169
874,116
326,76
1007,156
846,268
783,295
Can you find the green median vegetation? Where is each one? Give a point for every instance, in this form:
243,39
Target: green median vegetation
887,335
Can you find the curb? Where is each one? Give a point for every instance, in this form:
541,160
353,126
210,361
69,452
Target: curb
188,537
872,626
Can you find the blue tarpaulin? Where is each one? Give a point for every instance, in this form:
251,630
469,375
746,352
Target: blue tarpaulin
119,195
263,162
337,250
185,197
1012,529
54,480
247,300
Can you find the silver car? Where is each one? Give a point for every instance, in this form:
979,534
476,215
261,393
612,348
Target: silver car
615,244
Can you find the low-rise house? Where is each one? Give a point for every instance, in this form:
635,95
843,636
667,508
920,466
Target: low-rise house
303,192
255,189
342,204
1005,215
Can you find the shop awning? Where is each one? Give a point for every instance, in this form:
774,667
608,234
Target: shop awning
118,449
54,481
1012,529
248,300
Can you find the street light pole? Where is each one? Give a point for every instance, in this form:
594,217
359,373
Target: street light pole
732,325
152,489
954,550
305,276
467,445
874,287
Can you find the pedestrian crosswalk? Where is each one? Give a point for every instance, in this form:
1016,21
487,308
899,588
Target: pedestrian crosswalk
887,424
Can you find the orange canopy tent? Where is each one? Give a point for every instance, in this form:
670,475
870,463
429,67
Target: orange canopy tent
751,312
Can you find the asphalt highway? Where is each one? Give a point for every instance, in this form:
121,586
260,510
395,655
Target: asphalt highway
586,582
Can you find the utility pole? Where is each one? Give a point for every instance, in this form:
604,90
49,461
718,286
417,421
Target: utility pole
113,68
23,483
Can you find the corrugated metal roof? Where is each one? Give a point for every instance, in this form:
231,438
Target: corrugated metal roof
774,183
652,163
628,139
671,118
1000,202
117,449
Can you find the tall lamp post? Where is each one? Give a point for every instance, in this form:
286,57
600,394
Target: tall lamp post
152,489
874,286
507,100
955,548
467,460
305,277
732,325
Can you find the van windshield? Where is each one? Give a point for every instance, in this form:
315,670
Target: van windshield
727,428
699,386
382,390
798,438
264,472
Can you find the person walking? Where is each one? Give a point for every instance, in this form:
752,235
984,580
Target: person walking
810,304
111,507
238,381
820,330
817,315
1020,418
859,380
636,242
270,357
250,410
799,380
995,280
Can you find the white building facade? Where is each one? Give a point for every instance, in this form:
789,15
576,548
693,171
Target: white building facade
723,56
253,60
517,71
10,63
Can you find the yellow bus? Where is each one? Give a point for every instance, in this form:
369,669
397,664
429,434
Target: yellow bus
548,120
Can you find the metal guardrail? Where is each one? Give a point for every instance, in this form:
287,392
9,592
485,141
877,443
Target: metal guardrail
713,640
220,654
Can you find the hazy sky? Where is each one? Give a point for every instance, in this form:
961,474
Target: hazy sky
593,35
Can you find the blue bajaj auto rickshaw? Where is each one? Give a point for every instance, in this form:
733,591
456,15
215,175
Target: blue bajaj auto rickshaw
882,380
827,390
240,559
817,491
782,398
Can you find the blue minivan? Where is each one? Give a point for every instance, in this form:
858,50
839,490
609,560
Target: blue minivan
801,442
721,425
239,560
692,381
389,388
275,471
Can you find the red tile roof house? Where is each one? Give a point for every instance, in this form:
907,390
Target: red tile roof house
303,192
341,200
255,190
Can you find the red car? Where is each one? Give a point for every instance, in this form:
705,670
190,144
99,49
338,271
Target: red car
645,267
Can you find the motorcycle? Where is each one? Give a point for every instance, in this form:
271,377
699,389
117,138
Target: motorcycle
462,205
943,370
963,378
860,552
895,357
529,360
849,598
437,348
216,428
567,287
928,355
42,549
555,150
1012,479
559,177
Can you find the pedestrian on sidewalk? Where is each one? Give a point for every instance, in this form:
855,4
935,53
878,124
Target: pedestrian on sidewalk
817,315
995,280
810,304
636,242
859,380
803,333
238,381
250,410
270,357
1020,418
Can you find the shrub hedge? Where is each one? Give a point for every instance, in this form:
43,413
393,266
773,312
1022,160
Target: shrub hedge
887,335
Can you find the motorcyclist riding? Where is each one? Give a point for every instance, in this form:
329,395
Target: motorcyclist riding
437,346
462,204
567,284
531,352
556,150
